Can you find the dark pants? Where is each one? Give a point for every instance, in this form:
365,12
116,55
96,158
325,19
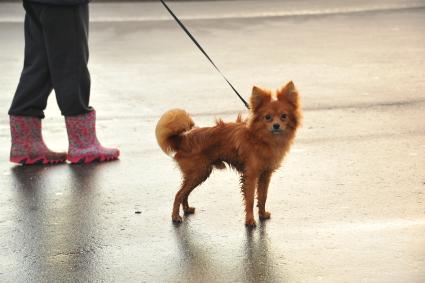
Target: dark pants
56,57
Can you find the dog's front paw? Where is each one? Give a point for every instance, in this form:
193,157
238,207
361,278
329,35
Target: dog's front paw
189,210
250,222
265,215
177,218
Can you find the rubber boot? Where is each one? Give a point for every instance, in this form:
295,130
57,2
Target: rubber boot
28,146
84,146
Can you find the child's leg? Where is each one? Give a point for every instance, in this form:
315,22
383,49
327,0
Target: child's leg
66,40
35,84
65,33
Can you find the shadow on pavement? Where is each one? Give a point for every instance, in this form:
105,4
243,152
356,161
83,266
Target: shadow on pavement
58,226
259,265
196,263
199,264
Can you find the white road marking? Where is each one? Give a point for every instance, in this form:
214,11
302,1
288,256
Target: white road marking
240,15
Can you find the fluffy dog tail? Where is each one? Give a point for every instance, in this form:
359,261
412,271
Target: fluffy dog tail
170,127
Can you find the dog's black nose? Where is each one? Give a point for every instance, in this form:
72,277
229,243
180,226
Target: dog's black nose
276,126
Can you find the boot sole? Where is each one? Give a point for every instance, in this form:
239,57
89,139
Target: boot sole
91,159
36,161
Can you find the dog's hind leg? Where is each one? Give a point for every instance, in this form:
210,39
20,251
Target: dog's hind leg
186,208
186,186
190,182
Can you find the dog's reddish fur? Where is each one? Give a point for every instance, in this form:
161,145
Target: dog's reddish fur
252,146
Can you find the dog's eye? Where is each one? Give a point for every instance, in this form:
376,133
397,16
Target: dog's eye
283,116
268,117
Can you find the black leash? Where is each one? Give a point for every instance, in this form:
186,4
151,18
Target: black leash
203,51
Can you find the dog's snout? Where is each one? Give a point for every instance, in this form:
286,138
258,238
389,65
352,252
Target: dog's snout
276,126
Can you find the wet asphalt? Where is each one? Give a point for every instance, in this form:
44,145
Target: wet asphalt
348,204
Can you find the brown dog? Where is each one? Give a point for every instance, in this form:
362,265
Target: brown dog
255,147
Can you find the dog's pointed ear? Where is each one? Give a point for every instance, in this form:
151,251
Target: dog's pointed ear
288,93
259,97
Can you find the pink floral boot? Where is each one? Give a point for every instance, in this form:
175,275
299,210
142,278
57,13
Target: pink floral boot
28,147
84,146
